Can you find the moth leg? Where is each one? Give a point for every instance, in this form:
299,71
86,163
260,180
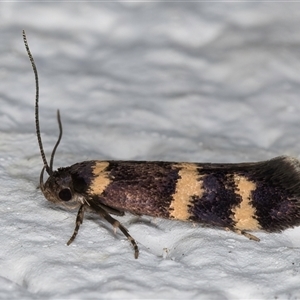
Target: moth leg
111,210
250,236
79,220
247,234
116,224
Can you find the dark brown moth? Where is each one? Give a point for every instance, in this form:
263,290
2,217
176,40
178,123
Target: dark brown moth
240,197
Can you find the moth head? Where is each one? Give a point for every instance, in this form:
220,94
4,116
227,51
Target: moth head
59,189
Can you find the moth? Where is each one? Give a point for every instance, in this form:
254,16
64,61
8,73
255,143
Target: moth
242,197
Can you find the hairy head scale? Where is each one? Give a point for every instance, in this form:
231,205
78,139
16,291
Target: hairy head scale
48,168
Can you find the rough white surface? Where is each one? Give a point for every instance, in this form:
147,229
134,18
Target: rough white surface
205,82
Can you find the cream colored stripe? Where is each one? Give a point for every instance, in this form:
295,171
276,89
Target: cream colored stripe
244,213
189,184
101,180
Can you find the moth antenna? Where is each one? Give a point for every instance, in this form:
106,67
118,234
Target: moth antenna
42,185
37,122
58,141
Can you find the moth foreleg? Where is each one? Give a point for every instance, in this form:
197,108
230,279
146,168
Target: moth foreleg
79,220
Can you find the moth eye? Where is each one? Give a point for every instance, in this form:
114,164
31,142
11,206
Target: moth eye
65,195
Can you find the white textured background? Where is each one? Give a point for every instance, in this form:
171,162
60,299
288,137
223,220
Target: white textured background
205,82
